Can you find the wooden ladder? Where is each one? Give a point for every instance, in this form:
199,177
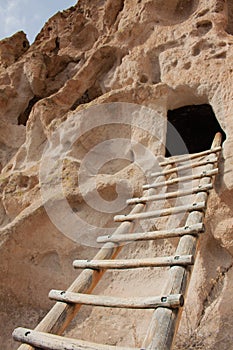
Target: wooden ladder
167,307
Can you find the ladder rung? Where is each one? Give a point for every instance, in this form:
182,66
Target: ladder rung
134,263
162,212
183,158
146,236
181,179
170,301
185,167
170,195
49,341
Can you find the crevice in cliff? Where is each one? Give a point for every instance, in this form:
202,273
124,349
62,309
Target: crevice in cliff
57,44
23,118
215,290
97,67
196,126
88,96
229,28
112,11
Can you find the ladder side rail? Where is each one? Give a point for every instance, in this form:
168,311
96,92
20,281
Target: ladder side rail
59,317
164,323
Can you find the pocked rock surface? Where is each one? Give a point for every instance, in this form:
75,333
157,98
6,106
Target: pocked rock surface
159,54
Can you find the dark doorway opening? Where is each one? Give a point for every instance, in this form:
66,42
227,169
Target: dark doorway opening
196,125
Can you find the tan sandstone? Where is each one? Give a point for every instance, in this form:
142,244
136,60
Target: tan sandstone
162,54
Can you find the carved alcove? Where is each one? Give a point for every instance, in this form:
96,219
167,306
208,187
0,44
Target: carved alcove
196,125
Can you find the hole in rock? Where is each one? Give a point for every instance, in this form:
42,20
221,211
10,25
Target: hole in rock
144,79
204,27
196,126
25,44
88,96
23,118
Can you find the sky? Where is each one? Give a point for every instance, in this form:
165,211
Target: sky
28,15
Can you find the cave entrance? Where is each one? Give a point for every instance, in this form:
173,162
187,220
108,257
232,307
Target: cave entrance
196,125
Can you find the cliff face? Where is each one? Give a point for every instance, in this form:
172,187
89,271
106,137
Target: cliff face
160,54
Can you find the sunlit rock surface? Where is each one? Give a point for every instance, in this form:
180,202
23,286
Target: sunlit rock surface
160,54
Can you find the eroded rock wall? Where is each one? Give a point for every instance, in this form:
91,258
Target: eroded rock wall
161,54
